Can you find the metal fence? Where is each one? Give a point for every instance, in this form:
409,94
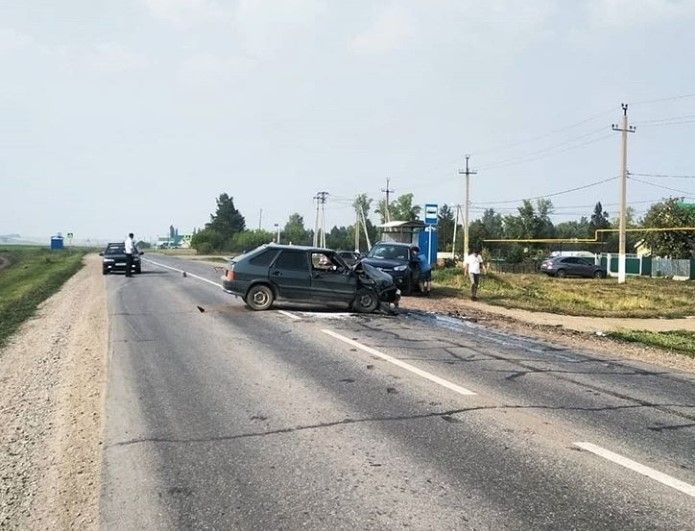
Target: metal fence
665,267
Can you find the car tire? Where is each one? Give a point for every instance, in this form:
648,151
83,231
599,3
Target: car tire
599,274
138,270
366,301
560,273
104,271
407,286
259,297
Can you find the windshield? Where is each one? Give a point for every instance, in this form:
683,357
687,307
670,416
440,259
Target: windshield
115,249
389,252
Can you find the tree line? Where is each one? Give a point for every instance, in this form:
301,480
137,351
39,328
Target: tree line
227,232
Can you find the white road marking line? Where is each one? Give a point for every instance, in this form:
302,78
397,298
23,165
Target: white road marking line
290,315
328,315
667,480
188,274
403,365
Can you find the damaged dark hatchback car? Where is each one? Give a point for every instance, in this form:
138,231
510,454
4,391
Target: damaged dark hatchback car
308,275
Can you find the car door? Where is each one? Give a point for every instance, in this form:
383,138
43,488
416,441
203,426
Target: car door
572,266
330,280
291,276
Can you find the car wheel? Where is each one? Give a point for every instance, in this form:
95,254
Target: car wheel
599,274
259,297
407,286
104,271
561,273
138,270
365,301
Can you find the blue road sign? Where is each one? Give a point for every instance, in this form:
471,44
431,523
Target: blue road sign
431,212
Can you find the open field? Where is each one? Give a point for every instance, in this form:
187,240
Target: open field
679,340
30,276
639,297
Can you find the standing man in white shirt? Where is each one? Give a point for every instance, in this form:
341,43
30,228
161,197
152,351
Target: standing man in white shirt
474,267
129,250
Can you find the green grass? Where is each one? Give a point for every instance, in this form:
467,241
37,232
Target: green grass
638,297
678,340
34,274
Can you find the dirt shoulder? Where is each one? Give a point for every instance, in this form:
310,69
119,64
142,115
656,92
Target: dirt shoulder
52,376
571,331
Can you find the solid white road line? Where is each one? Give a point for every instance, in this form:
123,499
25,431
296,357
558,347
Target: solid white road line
403,365
667,480
182,271
290,315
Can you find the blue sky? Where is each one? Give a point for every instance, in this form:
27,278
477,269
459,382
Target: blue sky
131,115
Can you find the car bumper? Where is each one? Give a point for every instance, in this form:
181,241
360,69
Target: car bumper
120,266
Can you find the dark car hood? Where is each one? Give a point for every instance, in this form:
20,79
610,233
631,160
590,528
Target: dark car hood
381,279
383,262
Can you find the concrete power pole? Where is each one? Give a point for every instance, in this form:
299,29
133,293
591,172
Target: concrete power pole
357,229
467,172
388,192
456,222
320,198
624,130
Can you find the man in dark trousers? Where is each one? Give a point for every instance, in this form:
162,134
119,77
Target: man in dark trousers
129,250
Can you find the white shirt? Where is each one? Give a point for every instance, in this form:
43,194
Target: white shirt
473,262
129,245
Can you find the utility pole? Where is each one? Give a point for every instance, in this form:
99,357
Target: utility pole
467,172
624,130
357,227
456,222
364,225
260,219
388,192
277,228
320,198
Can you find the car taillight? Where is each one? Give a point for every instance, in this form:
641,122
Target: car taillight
229,274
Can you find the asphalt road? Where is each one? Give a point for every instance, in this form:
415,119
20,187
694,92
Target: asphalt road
228,418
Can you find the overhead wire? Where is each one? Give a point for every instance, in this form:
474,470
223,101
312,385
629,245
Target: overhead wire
546,196
663,175
687,194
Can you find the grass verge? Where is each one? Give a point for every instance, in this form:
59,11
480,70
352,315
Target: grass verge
638,297
679,340
33,275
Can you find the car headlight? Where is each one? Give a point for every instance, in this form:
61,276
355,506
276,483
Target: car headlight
400,268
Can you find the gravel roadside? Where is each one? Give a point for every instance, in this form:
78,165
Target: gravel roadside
52,382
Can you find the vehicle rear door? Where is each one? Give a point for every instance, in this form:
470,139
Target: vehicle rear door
572,266
330,280
291,276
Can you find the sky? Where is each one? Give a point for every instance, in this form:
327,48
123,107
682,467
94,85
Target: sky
131,115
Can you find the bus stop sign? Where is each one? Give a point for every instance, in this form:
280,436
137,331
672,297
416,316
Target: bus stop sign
431,212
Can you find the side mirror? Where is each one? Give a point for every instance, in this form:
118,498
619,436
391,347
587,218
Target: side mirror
141,253
101,254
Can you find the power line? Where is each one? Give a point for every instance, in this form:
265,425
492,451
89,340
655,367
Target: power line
663,176
659,100
554,194
688,194
659,120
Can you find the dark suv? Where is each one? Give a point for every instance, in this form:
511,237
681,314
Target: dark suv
395,259
575,266
306,274
114,259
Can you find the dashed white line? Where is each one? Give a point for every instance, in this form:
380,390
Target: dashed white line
403,365
665,479
188,274
290,315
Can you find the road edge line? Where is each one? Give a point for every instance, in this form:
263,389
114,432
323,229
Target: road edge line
403,365
182,271
651,473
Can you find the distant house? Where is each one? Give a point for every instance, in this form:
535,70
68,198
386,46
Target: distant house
642,249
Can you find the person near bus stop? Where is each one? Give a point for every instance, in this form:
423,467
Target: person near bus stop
130,248
423,270
474,267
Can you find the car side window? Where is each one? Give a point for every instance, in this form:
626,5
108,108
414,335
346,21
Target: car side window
292,260
263,259
323,262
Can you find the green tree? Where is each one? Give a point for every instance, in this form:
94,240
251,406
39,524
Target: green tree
445,227
490,226
207,240
250,239
599,220
665,214
295,232
573,229
402,209
227,220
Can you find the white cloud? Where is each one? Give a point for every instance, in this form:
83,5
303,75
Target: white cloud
208,70
390,31
112,58
185,12
12,40
625,14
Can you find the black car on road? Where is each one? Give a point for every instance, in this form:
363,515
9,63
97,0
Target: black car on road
395,259
115,260
306,274
572,266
